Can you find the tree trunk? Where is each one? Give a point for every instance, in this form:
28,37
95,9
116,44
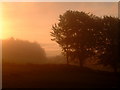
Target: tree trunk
67,59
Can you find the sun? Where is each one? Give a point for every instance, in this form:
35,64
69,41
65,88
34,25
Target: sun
0,29
1,23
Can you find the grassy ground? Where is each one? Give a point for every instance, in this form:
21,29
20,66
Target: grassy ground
55,76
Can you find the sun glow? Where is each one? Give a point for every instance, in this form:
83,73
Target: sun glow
1,21
3,30
0,30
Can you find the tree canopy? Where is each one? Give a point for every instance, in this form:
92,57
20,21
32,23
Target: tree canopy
82,35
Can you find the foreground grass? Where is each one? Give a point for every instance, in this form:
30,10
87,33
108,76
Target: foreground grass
55,76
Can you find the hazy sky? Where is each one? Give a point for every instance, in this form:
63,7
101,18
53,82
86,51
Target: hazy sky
33,20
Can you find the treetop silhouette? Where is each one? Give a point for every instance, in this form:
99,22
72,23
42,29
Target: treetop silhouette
82,35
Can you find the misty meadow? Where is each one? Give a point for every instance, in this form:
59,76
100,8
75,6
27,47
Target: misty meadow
86,54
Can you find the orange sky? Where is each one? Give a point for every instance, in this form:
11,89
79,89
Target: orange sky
33,20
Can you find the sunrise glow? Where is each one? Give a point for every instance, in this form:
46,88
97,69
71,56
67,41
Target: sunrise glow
0,21
33,21
59,44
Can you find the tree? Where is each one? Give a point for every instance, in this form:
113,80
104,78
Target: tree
82,35
20,51
74,34
110,37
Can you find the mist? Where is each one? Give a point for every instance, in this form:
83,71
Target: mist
19,51
60,45
25,52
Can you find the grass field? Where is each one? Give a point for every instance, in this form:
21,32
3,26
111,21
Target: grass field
55,76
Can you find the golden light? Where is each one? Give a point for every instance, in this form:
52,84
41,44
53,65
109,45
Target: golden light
0,30
1,21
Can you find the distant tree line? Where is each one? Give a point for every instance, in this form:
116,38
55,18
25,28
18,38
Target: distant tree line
82,35
19,51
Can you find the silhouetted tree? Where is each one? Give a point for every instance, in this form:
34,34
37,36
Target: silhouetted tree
81,35
74,34
109,43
